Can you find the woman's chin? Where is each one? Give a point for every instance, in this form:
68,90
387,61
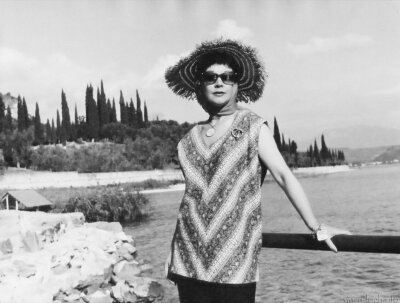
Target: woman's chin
218,102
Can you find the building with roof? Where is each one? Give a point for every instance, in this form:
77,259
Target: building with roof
25,200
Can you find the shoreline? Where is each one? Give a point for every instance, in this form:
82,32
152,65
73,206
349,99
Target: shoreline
298,172
29,179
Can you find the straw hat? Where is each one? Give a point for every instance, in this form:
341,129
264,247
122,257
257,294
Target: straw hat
181,78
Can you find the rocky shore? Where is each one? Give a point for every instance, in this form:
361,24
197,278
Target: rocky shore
48,257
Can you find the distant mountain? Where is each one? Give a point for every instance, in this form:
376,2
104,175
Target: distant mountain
360,136
12,102
363,155
389,155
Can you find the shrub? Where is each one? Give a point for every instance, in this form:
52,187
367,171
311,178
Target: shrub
111,204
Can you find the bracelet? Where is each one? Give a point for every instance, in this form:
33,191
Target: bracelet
320,233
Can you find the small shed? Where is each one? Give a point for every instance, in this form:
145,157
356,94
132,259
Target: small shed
25,200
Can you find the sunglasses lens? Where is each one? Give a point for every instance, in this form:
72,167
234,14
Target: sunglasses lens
209,78
227,78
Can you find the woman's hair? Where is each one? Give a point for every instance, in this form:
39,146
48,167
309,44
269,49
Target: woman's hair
216,58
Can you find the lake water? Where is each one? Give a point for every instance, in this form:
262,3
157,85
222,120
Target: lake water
364,201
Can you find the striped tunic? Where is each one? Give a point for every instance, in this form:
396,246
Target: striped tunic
218,232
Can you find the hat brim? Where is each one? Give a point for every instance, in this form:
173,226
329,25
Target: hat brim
181,78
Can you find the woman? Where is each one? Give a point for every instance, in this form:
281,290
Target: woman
217,240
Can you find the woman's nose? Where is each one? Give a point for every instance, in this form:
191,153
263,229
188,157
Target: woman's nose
218,82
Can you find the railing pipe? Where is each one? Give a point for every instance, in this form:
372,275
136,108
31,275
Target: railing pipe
353,243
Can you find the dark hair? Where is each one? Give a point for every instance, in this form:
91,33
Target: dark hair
216,58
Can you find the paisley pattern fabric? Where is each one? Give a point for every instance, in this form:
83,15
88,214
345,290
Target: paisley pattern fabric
218,232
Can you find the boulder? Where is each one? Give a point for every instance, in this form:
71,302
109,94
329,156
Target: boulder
56,258
100,296
6,247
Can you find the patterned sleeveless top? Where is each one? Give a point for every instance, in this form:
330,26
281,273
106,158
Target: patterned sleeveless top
218,232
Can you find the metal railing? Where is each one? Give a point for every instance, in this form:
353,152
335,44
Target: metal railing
353,243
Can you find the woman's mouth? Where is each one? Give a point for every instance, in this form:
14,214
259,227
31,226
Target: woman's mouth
218,94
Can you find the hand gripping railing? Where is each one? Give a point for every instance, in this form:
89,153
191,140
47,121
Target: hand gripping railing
354,243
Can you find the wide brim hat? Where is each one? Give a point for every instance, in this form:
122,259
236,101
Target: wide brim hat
181,78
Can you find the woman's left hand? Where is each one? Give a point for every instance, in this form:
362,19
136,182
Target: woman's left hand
329,232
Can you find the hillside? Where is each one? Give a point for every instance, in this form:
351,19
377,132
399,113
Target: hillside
363,155
372,154
391,154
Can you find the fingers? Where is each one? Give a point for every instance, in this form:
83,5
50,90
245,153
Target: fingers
331,245
337,231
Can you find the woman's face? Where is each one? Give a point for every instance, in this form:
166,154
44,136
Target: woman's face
219,93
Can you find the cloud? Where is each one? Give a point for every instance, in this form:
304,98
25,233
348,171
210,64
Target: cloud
320,45
228,28
155,76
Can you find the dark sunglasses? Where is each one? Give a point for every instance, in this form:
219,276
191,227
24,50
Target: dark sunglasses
209,78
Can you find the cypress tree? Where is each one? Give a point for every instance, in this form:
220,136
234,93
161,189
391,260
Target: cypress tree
316,154
284,147
38,126
123,113
139,114
87,111
146,117
58,129
277,135
53,133
25,114
102,106
66,120
109,111
324,149
105,110
131,113
76,116
75,125
87,104
310,151
20,118
341,156
2,113
8,119
48,132
99,108
113,117
92,116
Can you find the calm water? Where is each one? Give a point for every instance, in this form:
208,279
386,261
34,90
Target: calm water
365,201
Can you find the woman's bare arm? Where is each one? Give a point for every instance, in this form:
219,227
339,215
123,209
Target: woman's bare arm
272,158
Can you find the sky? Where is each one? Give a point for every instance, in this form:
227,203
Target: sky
330,64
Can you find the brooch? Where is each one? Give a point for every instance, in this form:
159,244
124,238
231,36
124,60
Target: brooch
237,133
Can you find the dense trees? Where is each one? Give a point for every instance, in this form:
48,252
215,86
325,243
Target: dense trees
135,142
312,157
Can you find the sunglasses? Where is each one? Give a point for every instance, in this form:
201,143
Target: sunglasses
229,78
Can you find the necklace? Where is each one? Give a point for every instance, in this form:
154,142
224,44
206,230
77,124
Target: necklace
210,132
213,122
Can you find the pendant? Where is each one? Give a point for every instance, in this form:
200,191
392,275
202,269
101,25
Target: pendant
210,132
